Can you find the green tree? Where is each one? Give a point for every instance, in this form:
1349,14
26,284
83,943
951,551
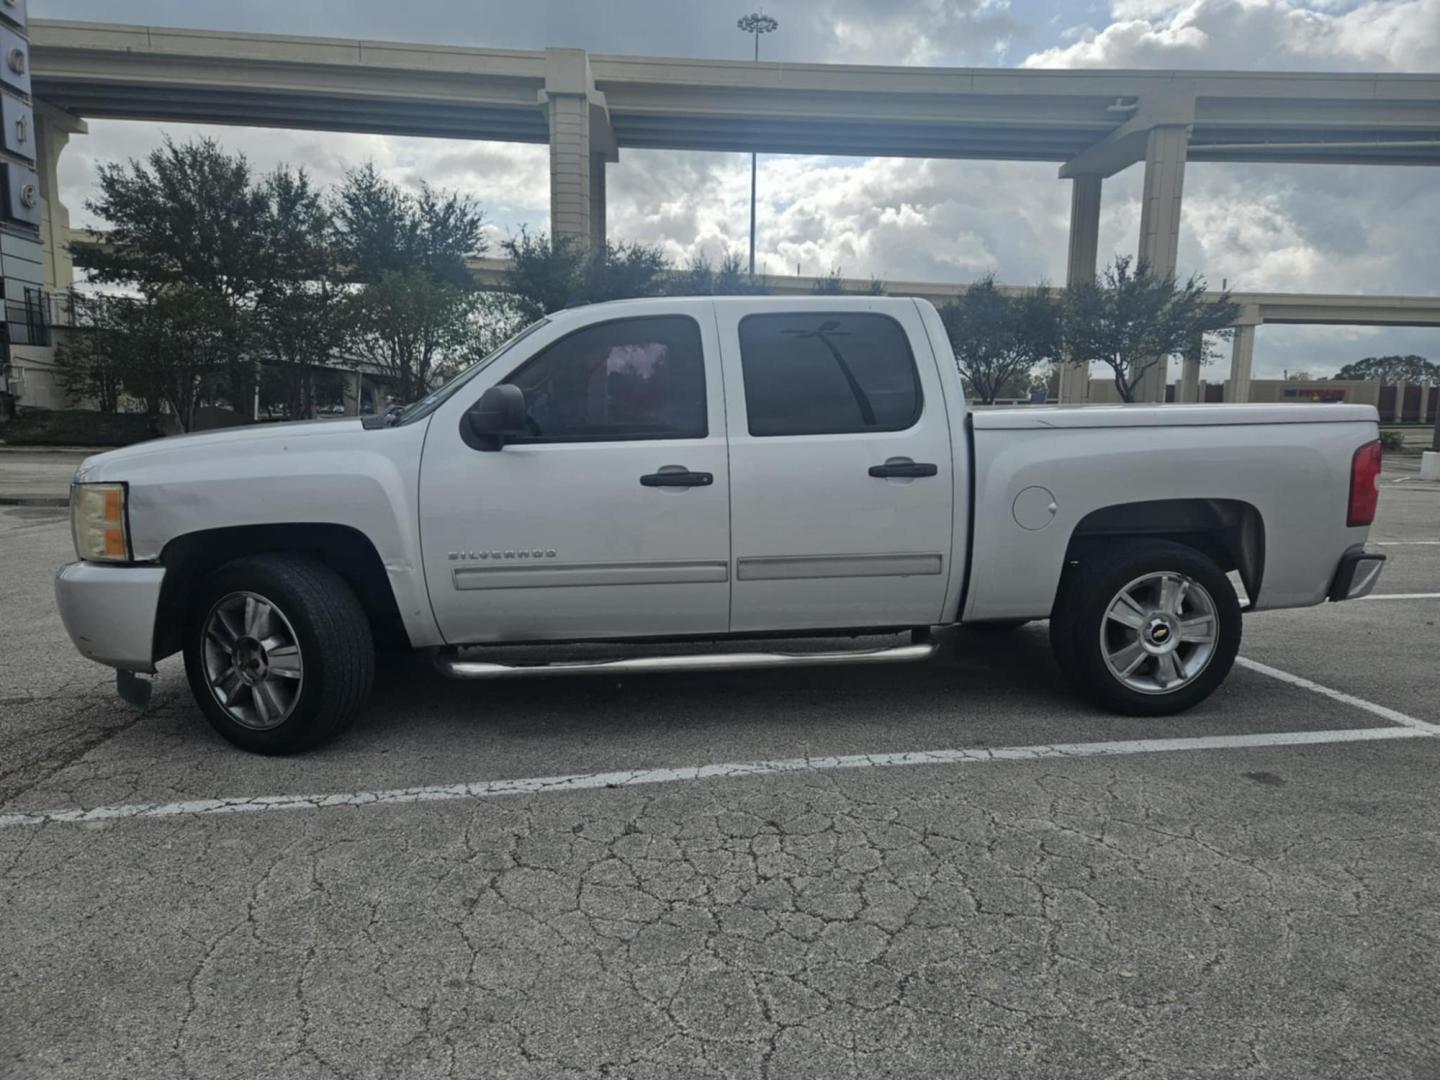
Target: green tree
1000,338
165,348
624,271
85,359
1392,369
833,284
408,251
548,275
729,277
300,320
187,219
381,227
544,277
1132,319
407,323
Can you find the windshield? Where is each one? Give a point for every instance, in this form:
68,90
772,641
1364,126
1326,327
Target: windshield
433,400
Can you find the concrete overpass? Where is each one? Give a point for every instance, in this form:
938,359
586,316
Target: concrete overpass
1092,124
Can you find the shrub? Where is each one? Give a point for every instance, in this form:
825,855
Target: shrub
76,427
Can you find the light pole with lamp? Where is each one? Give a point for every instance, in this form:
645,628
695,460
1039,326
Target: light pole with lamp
756,24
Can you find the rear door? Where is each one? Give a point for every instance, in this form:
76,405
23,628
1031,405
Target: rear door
840,465
611,518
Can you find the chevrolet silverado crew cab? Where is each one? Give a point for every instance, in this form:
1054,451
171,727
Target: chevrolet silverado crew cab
679,475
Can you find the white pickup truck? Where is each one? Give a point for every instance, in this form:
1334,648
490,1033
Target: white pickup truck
693,473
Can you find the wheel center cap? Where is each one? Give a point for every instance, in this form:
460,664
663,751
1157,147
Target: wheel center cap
251,661
1159,635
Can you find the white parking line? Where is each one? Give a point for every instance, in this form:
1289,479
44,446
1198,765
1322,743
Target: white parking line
1382,711
489,789
1402,596
1406,543
1405,727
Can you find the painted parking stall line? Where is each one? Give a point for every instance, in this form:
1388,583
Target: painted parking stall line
489,789
1403,726
1402,596
1384,712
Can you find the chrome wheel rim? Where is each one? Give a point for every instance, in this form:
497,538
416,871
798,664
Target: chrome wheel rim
252,660
1159,632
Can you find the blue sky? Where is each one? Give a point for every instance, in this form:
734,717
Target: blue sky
1295,228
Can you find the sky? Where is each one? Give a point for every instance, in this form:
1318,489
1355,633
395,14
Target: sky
1298,228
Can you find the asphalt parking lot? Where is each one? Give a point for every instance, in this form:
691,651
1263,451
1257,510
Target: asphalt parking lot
941,870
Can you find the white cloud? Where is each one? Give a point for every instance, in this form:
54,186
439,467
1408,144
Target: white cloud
1384,35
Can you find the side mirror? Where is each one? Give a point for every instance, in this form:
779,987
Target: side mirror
500,413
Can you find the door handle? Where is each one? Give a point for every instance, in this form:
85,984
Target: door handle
904,468
678,478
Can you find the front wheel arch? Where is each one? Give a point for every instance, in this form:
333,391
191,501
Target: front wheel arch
191,557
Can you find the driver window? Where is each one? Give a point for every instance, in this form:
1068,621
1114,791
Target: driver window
640,378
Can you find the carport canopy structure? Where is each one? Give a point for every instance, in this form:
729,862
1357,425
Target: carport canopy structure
1092,124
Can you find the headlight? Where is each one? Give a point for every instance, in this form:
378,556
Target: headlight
98,522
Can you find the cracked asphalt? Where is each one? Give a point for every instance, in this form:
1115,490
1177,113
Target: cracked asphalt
1260,912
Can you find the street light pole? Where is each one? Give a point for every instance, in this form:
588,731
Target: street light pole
755,24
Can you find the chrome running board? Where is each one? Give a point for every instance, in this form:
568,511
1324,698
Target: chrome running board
478,669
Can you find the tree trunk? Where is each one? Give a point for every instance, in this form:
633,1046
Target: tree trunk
1126,390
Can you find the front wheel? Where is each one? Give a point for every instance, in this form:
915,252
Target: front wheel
1148,628
278,653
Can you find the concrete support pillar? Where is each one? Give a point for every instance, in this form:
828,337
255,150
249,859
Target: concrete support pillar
1165,150
569,167
581,141
597,201
53,128
1189,389
1399,414
1080,266
1242,352
351,391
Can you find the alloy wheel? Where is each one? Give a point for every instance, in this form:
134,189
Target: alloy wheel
1159,632
252,660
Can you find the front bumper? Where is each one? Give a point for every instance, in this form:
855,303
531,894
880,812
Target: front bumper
109,611
1357,574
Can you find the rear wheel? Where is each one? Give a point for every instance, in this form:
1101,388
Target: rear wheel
278,653
1148,628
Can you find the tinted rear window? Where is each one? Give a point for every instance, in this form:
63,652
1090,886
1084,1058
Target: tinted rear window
827,373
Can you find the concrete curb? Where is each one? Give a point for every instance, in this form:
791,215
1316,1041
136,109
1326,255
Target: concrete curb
35,500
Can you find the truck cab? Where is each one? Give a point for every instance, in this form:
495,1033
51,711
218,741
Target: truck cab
689,467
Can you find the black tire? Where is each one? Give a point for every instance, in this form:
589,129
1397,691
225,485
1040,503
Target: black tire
1079,620
333,636
994,627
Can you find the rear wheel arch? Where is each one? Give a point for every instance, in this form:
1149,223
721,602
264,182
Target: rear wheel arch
1230,532
191,558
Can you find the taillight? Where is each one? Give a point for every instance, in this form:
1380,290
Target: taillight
1364,484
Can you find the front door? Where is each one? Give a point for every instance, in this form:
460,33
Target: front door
840,466
611,518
